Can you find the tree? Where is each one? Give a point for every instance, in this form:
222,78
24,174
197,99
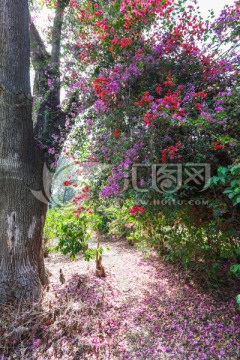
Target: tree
48,115
22,216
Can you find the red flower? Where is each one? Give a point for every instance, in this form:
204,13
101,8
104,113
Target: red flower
158,88
169,81
147,98
164,155
78,211
201,93
198,106
136,209
171,151
218,146
148,118
86,189
99,83
125,42
117,133
67,183
91,158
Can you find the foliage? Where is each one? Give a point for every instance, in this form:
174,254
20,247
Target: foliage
152,85
72,228
229,178
69,230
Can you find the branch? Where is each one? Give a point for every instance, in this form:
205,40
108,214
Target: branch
48,116
38,49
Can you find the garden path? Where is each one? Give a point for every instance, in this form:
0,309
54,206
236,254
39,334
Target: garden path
144,309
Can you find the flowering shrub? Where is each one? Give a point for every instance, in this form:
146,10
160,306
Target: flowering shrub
154,86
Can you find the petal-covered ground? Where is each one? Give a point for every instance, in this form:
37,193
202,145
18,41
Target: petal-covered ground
144,309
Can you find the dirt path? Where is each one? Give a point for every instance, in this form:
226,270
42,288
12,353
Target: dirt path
143,309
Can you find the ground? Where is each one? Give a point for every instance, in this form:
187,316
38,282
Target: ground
143,309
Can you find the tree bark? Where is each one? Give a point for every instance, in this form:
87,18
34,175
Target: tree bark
22,216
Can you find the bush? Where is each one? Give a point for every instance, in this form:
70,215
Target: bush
69,230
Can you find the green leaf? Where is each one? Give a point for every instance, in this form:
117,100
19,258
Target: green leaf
238,299
222,170
235,269
235,182
228,191
236,201
235,170
222,179
214,180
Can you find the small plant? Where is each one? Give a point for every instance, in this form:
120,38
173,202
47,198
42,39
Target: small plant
229,178
69,230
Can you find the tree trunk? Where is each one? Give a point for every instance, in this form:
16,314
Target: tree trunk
22,216
48,116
